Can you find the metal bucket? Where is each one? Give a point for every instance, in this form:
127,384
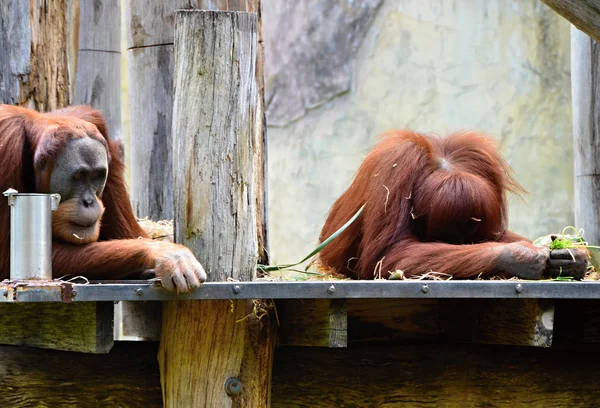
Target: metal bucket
31,234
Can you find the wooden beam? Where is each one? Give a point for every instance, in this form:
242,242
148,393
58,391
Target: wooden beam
150,72
392,320
313,322
125,377
34,67
517,322
325,323
84,327
98,69
217,179
583,14
429,375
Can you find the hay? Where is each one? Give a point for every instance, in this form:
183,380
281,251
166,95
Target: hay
159,230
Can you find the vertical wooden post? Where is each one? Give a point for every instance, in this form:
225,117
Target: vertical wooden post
98,68
209,348
33,54
150,70
585,85
149,42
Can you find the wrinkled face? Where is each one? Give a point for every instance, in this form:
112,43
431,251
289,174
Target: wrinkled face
79,176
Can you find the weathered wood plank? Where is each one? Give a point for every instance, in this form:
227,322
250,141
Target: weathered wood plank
34,67
585,86
524,322
127,377
449,376
313,322
150,66
98,73
84,327
47,86
150,106
15,46
150,69
215,148
583,14
518,322
216,186
391,320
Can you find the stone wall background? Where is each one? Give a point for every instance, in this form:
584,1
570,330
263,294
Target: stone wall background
340,72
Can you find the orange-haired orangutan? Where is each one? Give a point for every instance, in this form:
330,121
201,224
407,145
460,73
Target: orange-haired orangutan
435,204
95,233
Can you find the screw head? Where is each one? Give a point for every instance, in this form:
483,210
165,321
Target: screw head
139,291
5,292
233,386
331,290
237,289
73,293
519,288
424,288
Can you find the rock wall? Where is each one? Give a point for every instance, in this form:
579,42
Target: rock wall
340,72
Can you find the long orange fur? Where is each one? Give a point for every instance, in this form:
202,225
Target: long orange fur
418,189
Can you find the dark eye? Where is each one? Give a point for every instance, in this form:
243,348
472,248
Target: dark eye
77,176
98,175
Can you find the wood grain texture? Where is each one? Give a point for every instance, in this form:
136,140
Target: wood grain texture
206,342
392,320
149,36
517,322
319,323
98,73
83,327
152,22
585,88
150,39
15,47
583,14
127,377
216,179
449,376
215,145
47,87
34,68
151,105
313,323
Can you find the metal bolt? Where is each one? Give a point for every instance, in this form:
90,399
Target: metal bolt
233,386
519,288
73,293
139,292
331,290
424,288
237,289
5,292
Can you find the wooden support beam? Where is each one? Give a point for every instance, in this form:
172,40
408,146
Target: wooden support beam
429,375
391,320
215,346
84,327
583,14
326,323
517,322
34,68
313,322
150,73
98,66
125,377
